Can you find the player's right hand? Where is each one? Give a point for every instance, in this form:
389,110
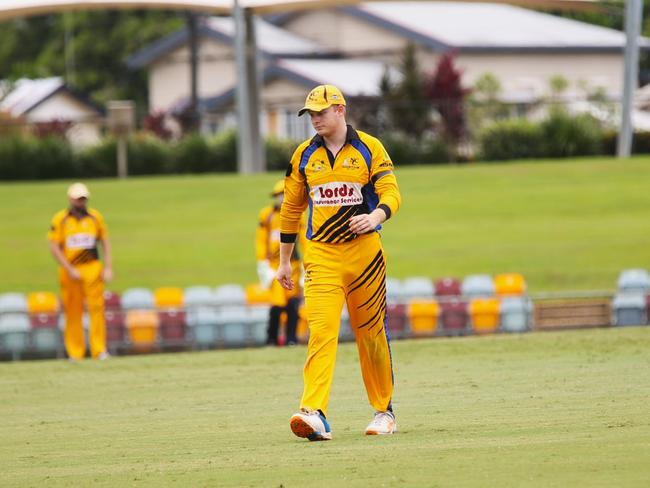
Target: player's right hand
74,274
284,276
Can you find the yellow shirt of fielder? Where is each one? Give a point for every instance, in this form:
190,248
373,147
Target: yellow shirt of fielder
336,187
78,236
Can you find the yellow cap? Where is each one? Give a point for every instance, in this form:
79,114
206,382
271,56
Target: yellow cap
278,188
78,190
321,97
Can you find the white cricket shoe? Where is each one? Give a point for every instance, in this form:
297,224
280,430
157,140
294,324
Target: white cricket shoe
311,425
383,423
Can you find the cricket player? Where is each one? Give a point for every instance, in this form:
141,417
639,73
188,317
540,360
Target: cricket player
74,236
345,178
267,247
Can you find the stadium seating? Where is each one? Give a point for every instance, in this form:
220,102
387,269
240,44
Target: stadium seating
14,324
417,287
397,320
393,290
257,295
114,317
484,315
13,302
201,316
629,309
233,323
14,333
634,280
258,324
137,299
142,327
453,317
447,287
647,308
45,335
477,286
516,314
509,284
231,294
172,316
423,315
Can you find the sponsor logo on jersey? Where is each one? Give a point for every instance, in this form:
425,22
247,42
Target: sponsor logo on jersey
80,241
386,164
337,194
351,163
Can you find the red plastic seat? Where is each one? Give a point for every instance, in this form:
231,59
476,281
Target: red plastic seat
448,287
396,319
44,320
453,317
115,331
173,325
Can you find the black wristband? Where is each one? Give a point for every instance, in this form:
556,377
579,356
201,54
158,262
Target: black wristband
386,210
287,238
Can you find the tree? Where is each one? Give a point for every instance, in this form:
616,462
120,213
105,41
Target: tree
445,91
406,103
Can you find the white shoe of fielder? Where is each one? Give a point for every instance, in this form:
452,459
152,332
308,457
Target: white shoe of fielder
383,423
311,425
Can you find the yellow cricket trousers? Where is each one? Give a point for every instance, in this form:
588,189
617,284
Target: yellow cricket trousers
352,272
73,293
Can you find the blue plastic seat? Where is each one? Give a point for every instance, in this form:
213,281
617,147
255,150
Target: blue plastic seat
516,314
629,309
634,280
230,294
258,317
13,302
138,299
233,321
477,286
14,333
417,287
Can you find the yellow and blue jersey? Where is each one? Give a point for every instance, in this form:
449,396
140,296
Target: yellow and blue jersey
337,187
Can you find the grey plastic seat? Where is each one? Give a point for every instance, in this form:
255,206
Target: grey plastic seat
634,280
14,333
203,322
393,290
478,286
199,295
47,340
516,314
138,299
258,317
231,294
233,322
13,302
417,287
629,309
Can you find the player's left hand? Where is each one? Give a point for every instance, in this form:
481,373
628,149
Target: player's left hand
360,224
107,275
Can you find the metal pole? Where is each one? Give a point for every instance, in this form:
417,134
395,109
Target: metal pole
122,155
250,154
633,16
194,69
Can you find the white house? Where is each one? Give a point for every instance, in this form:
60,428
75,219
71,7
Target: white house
522,48
49,99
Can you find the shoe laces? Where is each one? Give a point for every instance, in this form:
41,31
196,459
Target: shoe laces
384,416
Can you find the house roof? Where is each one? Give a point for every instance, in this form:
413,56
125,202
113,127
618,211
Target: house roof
355,78
489,27
28,94
271,40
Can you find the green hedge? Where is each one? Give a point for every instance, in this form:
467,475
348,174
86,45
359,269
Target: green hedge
559,136
31,158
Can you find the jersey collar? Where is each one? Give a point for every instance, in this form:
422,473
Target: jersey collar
349,137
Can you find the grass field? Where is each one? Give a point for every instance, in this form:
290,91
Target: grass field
540,409
572,224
